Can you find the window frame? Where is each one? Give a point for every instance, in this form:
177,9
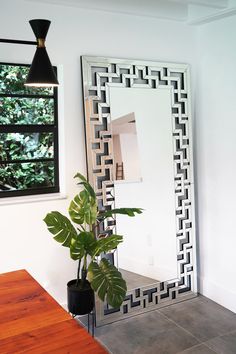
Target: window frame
34,128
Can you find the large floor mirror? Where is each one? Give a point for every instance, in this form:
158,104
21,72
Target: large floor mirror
139,154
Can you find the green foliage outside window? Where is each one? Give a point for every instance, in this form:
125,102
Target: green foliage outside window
26,175
12,78
26,110
16,146
17,110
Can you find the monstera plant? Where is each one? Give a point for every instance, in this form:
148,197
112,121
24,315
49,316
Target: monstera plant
89,247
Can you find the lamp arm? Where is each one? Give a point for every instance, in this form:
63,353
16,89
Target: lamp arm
16,41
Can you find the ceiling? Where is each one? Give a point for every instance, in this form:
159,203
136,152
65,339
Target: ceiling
193,12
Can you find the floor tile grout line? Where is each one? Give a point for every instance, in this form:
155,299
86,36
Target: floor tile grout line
169,319
210,347
204,301
222,335
194,346
200,341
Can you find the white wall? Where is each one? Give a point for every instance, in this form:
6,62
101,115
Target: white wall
116,150
216,160
25,242
130,157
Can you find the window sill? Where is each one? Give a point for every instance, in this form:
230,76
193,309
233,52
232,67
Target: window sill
32,199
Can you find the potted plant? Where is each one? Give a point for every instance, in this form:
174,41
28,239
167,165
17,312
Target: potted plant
81,236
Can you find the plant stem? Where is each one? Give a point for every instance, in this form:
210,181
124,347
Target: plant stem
85,262
98,222
84,271
78,272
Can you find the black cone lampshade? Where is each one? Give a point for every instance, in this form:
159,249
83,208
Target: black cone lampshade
41,72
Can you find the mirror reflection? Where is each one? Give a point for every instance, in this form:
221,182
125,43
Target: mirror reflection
125,148
142,144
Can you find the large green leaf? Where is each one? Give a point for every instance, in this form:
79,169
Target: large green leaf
107,244
84,244
123,211
83,209
107,281
60,226
76,211
86,185
90,189
80,176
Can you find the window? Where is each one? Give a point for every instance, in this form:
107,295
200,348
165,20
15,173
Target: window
28,135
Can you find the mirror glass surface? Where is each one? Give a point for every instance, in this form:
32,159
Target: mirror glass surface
142,144
125,148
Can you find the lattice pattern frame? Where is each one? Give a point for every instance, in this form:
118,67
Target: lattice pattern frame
99,74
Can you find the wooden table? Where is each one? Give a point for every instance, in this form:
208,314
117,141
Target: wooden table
31,321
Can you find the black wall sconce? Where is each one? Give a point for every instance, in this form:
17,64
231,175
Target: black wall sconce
41,72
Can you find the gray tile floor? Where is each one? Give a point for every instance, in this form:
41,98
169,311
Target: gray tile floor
197,326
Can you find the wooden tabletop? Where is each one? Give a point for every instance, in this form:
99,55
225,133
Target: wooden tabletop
31,321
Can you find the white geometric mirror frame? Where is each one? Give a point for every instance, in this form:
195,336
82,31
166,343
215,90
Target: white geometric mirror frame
99,74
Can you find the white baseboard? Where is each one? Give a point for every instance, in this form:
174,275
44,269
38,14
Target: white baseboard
217,293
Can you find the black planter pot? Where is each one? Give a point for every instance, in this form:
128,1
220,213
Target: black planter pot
80,300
